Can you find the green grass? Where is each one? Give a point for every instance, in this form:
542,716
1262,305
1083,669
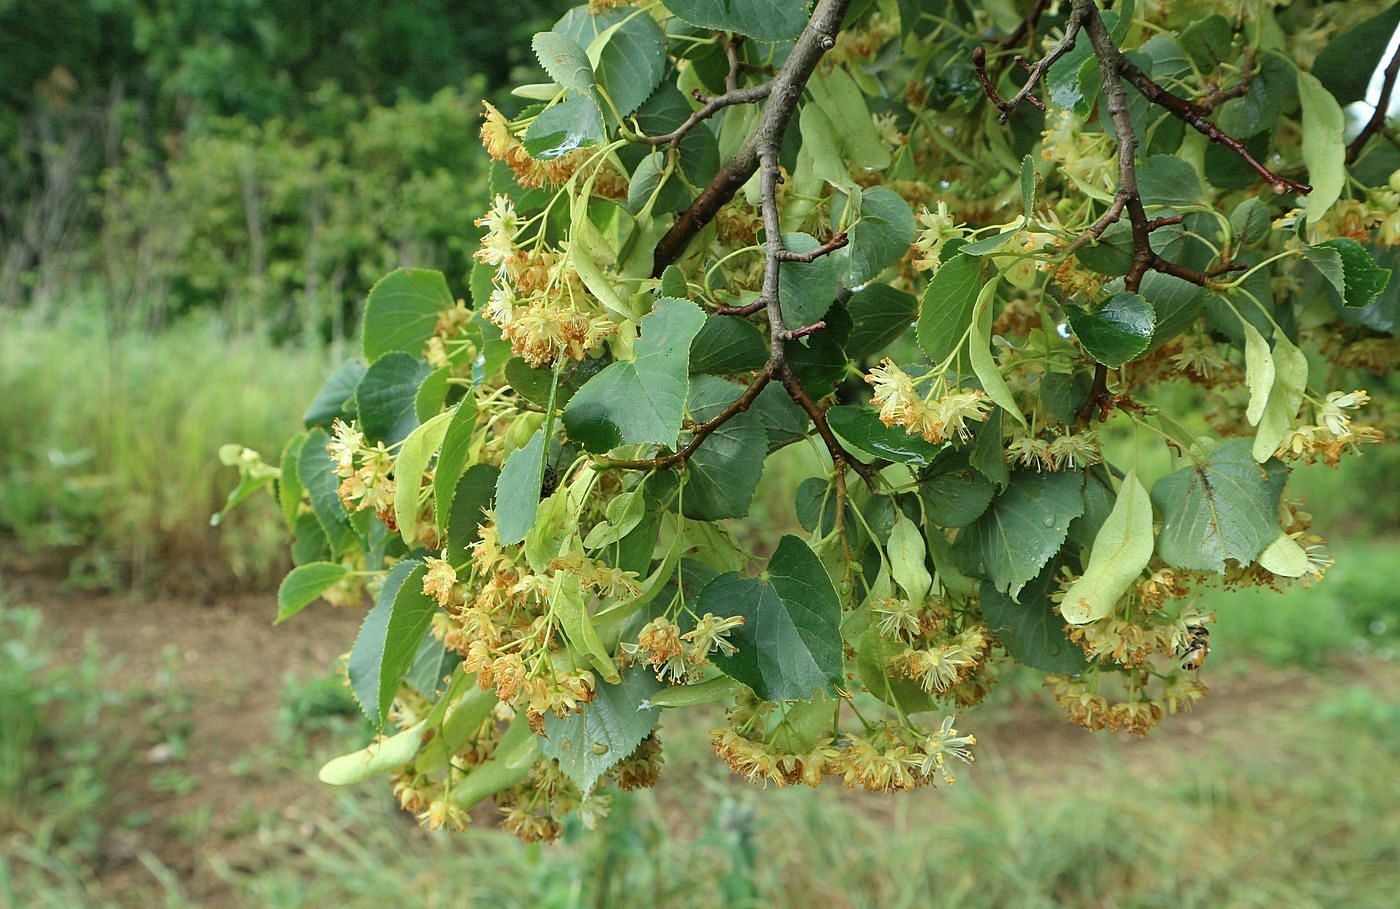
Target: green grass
111,440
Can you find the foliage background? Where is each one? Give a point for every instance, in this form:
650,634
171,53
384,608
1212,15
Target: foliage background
193,199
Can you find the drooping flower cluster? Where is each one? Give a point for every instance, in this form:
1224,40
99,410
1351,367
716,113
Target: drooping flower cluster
937,418
537,299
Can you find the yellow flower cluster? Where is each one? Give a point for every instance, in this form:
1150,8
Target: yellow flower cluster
938,420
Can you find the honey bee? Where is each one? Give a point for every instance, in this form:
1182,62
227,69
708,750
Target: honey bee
1197,648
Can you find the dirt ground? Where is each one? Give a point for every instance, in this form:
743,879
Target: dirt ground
233,665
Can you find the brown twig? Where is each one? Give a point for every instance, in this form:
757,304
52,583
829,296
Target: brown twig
785,90
698,435
792,334
1189,113
839,457
838,241
1377,121
1217,96
709,107
1036,72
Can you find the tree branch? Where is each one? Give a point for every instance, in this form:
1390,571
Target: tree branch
699,434
1191,114
709,108
786,89
1034,73
1373,125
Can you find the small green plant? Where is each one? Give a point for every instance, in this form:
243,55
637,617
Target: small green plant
971,287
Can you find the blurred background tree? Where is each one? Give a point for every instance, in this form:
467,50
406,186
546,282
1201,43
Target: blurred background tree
272,158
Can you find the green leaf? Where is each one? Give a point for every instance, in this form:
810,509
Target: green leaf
873,664
783,421
1073,80
907,554
815,506
1223,508
1030,183
838,96
880,235
289,488
564,61
452,458
518,490
431,665
1117,330
1122,548
304,584
984,366
641,400
1209,42
402,311
591,742
1168,180
789,646
470,501
722,474
410,465
879,314
566,599
726,345
1348,61
632,60
806,290
569,125
432,394
955,494
1023,529
1353,274
317,474
309,540
1250,222
388,639
1176,304
1324,147
862,427
386,394
336,399
1285,397
945,315
988,456
533,382
1032,631
1258,371
766,20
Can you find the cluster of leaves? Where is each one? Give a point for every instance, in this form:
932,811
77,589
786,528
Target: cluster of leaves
975,288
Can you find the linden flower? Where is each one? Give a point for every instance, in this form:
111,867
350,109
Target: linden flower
937,228
439,580
711,632
661,641
346,443
498,243
894,393
1331,414
942,744
954,410
1030,451
896,618
1075,449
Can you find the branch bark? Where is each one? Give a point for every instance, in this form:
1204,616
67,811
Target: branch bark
786,89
